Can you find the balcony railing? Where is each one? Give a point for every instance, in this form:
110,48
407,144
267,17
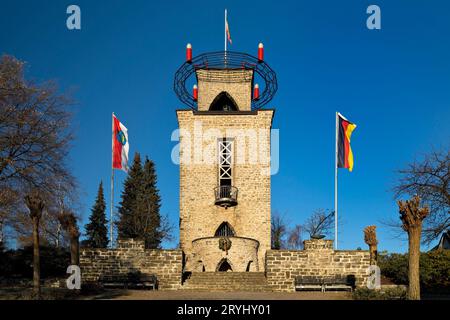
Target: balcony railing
226,196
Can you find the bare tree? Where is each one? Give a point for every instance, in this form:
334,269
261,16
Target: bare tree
278,230
50,229
370,238
36,205
320,223
8,203
294,240
412,215
430,180
68,222
34,135
34,143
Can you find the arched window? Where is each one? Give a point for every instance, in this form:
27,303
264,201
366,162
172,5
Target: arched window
224,230
223,102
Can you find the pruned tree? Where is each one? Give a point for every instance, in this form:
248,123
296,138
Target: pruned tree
278,230
320,223
68,222
370,238
412,216
430,180
35,205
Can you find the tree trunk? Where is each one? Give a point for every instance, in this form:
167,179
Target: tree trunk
1,231
373,255
36,258
74,250
414,263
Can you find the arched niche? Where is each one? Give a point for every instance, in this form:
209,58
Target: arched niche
223,102
225,230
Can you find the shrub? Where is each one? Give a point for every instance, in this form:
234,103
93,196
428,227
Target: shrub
386,294
19,263
434,269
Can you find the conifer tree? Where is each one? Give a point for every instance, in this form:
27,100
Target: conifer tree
127,226
139,209
148,205
96,229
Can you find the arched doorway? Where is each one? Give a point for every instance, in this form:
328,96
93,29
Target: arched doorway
224,266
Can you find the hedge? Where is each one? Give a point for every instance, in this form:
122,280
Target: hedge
19,263
434,269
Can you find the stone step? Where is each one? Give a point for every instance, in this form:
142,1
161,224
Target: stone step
242,280
204,289
232,287
226,281
241,284
261,289
228,274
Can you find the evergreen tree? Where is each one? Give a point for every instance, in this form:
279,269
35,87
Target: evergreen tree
139,208
96,229
148,205
127,224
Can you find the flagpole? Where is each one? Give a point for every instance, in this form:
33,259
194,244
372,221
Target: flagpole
225,27
112,184
336,187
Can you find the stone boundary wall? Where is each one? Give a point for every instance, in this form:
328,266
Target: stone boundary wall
318,259
131,256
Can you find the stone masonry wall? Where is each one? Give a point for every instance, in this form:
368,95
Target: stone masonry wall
199,216
242,254
237,83
132,256
318,259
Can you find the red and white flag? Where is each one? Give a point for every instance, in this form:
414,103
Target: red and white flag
227,29
120,145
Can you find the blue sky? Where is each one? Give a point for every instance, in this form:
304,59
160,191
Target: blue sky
393,83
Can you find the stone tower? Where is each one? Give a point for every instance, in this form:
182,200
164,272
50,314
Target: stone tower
225,162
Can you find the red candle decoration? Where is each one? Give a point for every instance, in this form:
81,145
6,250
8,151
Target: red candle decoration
188,53
260,52
195,92
256,92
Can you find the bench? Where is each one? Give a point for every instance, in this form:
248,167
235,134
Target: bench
130,280
309,283
324,283
339,282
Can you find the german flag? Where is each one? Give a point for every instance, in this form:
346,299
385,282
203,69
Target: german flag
345,154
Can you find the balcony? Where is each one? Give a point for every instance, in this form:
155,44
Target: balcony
226,196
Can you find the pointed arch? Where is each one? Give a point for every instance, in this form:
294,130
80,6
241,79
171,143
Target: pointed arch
224,265
225,230
223,102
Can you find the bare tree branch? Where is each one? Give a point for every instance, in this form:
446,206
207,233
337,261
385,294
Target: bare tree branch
430,180
321,222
